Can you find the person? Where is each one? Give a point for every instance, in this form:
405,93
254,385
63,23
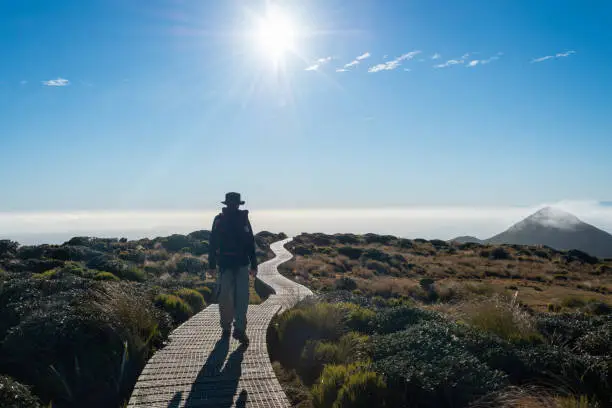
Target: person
232,250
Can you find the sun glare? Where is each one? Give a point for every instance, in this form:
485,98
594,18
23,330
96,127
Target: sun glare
275,35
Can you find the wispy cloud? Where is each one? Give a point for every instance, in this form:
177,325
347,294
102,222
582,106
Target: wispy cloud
558,55
449,63
341,70
393,64
318,63
354,62
436,56
56,82
476,62
23,82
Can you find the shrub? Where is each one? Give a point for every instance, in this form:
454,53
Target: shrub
438,243
377,255
8,249
377,266
191,265
398,318
16,395
500,253
176,242
346,239
105,276
350,252
405,243
176,307
349,386
206,292
378,239
132,273
427,366
315,355
359,318
320,321
345,283
194,299
505,321
52,274
363,389
580,256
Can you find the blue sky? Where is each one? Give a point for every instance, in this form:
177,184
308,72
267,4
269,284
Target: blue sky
165,105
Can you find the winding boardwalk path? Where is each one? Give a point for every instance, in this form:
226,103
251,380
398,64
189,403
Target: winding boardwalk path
198,369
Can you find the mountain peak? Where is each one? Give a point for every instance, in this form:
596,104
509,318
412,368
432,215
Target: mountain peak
553,217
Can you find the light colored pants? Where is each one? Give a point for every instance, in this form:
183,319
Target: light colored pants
234,297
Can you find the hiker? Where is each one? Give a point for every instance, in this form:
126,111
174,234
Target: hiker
232,248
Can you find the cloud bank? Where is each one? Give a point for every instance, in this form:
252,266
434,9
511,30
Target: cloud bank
443,222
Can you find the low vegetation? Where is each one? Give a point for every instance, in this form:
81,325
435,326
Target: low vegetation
416,323
78,321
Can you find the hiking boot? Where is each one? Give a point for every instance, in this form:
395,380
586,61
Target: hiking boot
241,337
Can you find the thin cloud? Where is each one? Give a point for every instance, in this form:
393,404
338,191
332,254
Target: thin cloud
391,65
318,64
23,82
56,82
558,55
449,63
356,61
436,56
341,70
474,63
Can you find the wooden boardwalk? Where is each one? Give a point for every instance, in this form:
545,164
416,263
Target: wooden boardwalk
198,369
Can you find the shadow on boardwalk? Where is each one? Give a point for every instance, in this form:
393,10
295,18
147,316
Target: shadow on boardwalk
216,383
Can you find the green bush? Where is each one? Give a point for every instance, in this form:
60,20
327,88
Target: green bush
349,386
377,266
320,321
350,252
176,307
359,318
500,253
505,321
193,298
427,366
105,276
345,283
132,273
398,318
363,389
16,395
206,292
52,274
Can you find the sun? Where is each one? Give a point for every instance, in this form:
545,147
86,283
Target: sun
275,35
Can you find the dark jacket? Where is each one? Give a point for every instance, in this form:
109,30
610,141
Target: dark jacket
232,244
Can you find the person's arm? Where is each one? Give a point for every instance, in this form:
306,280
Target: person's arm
213,245
251,249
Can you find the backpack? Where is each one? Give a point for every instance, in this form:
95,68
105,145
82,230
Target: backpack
234,233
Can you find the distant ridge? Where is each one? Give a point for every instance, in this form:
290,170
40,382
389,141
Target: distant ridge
554,228
467,239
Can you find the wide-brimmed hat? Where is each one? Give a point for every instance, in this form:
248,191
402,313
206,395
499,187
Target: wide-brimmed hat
232,198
